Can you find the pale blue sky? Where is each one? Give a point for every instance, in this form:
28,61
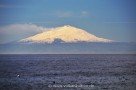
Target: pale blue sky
111,19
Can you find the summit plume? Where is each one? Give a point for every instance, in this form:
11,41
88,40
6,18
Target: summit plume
67,34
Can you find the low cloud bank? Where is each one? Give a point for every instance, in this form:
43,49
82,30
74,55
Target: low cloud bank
15,32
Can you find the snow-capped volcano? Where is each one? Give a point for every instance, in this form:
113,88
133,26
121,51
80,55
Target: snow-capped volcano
67,34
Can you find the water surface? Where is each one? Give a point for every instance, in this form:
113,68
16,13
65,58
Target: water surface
37,72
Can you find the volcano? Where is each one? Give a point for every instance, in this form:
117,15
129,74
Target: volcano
64,34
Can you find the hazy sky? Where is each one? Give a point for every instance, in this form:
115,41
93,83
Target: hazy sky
111,19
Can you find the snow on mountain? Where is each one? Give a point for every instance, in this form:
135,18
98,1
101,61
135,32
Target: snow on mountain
67,34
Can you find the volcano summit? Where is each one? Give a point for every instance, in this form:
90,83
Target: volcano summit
66,34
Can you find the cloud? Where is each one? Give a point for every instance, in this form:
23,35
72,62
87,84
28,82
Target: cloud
84,13
15,32
63,14
68,14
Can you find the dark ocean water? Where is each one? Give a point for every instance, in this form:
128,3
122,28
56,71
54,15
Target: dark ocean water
68,72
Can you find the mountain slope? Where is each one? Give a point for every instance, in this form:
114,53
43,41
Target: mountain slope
69,48
66,34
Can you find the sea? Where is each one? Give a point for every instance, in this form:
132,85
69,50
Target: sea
67,72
